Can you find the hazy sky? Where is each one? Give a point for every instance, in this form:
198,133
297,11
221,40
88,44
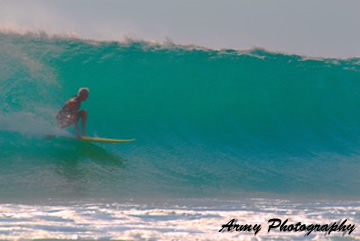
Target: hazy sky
327,28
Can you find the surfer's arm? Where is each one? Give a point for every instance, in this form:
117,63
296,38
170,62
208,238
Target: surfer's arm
72,106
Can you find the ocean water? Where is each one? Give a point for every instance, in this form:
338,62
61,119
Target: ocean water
220,134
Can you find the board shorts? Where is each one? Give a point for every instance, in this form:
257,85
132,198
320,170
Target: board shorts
65,118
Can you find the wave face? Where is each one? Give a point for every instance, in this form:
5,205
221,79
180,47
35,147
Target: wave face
207,123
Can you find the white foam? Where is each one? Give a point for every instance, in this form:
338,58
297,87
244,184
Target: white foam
168,222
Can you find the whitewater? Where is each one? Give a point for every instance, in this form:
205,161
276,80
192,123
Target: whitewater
220,134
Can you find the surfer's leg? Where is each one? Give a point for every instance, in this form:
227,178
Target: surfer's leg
83,115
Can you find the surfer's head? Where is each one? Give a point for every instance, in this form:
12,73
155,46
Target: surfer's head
83,94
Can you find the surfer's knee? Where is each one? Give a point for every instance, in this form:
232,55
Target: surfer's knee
83,114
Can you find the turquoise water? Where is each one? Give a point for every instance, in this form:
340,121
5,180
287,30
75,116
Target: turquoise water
207,123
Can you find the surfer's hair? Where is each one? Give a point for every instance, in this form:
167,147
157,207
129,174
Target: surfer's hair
83,89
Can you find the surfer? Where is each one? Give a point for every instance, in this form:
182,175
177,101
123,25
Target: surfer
70,115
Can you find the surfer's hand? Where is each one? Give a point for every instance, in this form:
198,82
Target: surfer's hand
49,137
78,136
